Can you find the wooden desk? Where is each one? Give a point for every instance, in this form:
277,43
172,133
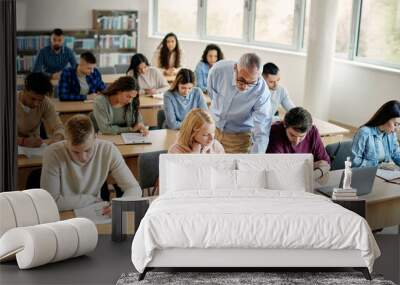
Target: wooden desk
161,140
149,107
330,133
107,79
382,204
103,229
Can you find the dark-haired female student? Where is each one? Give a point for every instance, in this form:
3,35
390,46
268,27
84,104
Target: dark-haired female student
376,141
181,98
117,109
210,56
150,79
168,55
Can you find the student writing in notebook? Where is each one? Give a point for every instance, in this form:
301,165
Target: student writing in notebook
297,134
74,170
197,134
150,79
279,94
34,108
181,98
82,82
376,141
117,109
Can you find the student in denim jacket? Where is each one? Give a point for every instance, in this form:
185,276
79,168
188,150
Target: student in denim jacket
376,141
211,55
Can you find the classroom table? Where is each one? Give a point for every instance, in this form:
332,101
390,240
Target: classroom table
149,106
107,79
329,132
161,140
382,204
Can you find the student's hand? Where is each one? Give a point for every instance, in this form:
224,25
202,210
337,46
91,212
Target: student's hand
32,142
91,96
150,91
141,128
207,147
106,211
56,75
55,138
196,147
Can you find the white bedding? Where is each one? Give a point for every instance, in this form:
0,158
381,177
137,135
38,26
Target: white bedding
251,218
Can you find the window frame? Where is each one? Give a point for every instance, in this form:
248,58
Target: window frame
248,36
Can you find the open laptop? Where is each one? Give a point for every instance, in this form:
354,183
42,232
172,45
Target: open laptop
362,179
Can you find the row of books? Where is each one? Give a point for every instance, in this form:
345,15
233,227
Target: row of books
117,41
111,59
123,22
344,194
39,42
25,63
32,42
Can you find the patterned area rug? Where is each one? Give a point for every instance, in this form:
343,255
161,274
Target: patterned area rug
230,278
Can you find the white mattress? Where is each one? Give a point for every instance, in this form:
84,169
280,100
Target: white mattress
252,218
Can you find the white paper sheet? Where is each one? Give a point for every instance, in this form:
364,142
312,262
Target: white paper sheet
135,138
93,212
388,174
32,151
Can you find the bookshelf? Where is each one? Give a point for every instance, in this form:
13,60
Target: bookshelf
117,35
113,38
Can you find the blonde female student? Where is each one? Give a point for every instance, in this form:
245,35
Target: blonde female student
117,109
197,134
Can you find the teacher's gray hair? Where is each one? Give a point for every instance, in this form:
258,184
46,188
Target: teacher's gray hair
250,61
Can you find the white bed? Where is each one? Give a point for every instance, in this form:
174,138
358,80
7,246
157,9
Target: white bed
219,211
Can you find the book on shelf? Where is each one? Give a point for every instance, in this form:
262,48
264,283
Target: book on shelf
32,42
111,59
117,41
122,22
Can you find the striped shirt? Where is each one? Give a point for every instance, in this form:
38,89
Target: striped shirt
50,62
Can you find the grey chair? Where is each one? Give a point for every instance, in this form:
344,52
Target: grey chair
121,68
148,170
161,119
107,70
338,152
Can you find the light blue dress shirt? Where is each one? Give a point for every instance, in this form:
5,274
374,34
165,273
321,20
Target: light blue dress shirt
201,71
235,111
279,97
366,148
176,106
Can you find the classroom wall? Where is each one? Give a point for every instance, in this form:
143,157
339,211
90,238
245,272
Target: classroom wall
356,93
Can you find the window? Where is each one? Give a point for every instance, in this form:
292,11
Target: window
177,16
343,29
225,18
367,30
274,21
379,38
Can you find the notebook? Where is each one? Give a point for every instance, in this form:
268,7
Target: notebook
135,138
93,212
32,151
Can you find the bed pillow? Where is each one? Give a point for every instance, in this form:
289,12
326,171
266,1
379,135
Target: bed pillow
251,178
188,177
223,179
294,179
